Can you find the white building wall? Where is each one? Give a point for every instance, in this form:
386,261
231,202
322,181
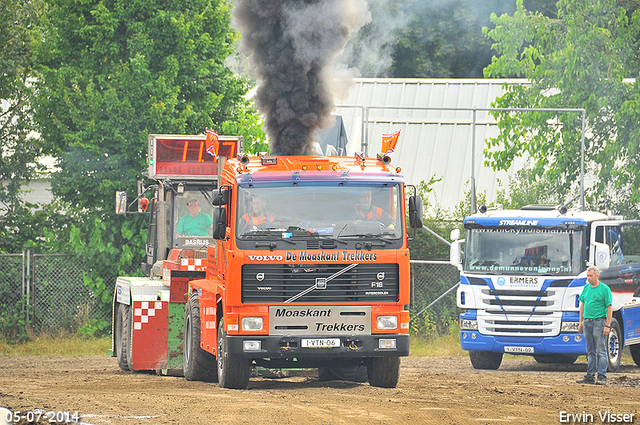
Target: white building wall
433,141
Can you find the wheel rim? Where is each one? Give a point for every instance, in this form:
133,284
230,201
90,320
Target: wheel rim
220,353
117,333
187,342
614,346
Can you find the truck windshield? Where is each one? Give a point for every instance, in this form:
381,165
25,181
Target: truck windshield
320,211
192,221
523,251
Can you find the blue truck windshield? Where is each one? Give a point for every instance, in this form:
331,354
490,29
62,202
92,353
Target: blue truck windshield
334,211
523,250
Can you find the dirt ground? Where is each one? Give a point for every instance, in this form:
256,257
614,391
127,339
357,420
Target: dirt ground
434,390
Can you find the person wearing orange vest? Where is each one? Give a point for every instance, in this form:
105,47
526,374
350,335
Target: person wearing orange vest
259,217
365,211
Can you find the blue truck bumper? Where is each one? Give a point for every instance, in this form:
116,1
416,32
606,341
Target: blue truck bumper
567,343
564,343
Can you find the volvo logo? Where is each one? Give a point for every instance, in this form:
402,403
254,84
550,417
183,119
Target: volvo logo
260,277
380,276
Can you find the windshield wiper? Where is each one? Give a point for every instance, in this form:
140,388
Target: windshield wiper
377,237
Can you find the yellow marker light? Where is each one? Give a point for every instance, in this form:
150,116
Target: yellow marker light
304,168
398,169
334,167
319,167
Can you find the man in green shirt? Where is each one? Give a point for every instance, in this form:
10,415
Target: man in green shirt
595,322
195,223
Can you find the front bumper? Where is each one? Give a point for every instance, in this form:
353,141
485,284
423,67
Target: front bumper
565,343
288,347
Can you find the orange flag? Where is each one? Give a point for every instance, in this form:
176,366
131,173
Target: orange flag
389,142
213,143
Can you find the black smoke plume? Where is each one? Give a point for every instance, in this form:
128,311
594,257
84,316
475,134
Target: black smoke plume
293,45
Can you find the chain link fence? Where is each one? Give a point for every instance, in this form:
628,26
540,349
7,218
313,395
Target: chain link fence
59,292
433,297
53,292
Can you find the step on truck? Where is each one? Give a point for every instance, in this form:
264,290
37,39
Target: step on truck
522,272
290,272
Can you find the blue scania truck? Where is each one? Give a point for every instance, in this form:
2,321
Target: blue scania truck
522,271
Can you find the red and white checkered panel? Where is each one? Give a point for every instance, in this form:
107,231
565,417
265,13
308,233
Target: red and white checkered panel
149,335
193,264
147,309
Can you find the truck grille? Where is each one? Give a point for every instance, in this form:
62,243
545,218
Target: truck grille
280,283
519,312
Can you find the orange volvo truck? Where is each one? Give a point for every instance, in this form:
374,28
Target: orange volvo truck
303,264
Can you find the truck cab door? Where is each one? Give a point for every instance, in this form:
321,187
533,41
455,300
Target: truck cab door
605,244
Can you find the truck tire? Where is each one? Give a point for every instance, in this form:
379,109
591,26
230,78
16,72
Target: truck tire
555,359
198,364
353,374
233,372
485,360
635,353
614,346
383,371
122,335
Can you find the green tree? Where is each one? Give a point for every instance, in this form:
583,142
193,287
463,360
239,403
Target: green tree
430,38
19,149
583,59
444,39
109,73
114,71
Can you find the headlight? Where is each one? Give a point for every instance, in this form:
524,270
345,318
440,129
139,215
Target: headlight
252,323
469,324
387,322
569,327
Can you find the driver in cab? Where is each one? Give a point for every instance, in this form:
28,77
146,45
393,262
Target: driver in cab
366,211
195,223
258,216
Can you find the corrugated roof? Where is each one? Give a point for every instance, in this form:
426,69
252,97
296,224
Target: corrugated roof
434,140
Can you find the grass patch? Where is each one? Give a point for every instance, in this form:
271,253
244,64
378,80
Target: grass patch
447,345
57,345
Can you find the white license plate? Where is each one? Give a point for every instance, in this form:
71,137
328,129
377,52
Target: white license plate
519,350
320,343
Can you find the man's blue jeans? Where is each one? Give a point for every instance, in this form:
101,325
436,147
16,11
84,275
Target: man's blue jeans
596,348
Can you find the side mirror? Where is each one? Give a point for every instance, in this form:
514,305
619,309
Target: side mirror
416,212
455,253
602,256
219,222
121,202
221,197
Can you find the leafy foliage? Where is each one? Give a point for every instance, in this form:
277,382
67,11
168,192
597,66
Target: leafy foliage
430,38
19,149
444,39
114,71
582,59
109,73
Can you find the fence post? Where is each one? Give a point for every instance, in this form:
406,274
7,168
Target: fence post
29,288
